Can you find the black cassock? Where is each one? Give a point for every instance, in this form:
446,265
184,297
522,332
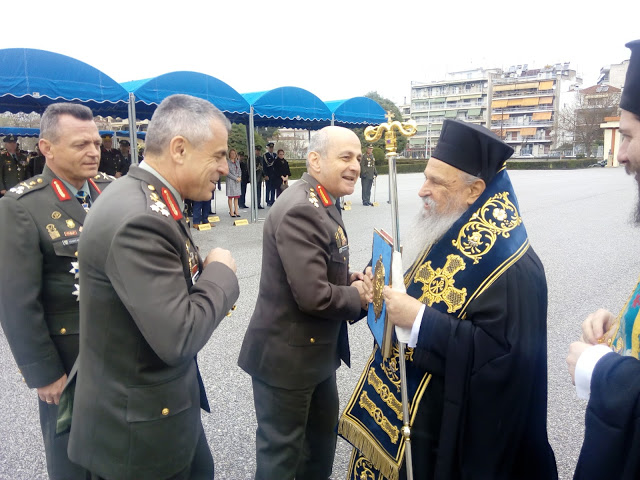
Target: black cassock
484,413
612,424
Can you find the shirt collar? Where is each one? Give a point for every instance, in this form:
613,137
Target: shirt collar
73,190
174,192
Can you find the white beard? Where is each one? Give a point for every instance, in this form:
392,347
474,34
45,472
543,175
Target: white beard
427,228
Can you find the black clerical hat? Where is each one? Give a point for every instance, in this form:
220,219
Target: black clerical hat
630,100
472,149
10,138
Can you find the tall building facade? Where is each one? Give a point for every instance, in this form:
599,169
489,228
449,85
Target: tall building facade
518,104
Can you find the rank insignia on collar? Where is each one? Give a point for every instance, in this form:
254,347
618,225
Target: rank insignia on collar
171,203
324,196
60,190
93,184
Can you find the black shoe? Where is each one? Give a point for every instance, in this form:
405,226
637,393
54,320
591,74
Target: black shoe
260,207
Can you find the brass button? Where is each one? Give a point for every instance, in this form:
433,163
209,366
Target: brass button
63,330
344,258
151,187
76,254
23,380
165,411
312,340
39,180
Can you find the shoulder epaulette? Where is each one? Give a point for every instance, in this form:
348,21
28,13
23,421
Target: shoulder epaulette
30,185
102,177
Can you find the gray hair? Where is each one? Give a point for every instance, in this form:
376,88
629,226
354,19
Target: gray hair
319,143
50,118
467,178
184,115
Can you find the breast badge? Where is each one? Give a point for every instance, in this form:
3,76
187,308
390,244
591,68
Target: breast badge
70,223
53,231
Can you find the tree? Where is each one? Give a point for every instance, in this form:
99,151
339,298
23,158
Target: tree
238,138
580,121
388,106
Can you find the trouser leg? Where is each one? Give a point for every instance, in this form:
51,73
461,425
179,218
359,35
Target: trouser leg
319,447
59,466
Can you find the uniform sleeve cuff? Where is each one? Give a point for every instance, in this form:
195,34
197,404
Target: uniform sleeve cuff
415,329
584,368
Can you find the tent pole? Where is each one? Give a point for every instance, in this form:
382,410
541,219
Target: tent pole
133,136
252,168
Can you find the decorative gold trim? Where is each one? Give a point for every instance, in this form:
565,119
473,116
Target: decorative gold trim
439,284
377,415
387,397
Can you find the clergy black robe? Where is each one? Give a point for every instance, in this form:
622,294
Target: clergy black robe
484,413
612,424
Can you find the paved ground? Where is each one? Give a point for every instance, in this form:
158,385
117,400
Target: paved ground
577,222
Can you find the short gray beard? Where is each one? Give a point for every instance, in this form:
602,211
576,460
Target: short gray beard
426,230
635,218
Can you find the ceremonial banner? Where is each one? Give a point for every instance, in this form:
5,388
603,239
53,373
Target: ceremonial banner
381,269
626,340
477,249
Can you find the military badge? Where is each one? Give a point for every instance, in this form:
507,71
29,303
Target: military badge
75,271
56,215
70,223
53,231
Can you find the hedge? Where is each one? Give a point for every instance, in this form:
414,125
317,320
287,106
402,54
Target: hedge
406,165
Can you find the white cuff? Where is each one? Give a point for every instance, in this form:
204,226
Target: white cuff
584,368
415,329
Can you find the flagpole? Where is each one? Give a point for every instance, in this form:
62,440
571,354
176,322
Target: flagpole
373,134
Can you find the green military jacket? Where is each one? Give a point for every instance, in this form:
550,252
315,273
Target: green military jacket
12,171
41,226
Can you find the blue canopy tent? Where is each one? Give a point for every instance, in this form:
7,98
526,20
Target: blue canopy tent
356,112
150,92
20,131
289,107
31,80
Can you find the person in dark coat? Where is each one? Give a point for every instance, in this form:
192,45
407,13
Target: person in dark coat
604,364
270,174
259,175
149,304
111,161
37,162
38,279
281,173
13,165
297,335
475,320
245,179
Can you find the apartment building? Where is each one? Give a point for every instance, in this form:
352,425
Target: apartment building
519,104
463,95
525,105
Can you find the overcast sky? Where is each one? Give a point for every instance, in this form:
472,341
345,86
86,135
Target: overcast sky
336,49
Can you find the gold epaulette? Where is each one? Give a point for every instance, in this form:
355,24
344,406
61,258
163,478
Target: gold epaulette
30,185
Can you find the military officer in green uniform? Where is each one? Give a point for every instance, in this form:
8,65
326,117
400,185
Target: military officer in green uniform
13,165
367,173
111,161
42,219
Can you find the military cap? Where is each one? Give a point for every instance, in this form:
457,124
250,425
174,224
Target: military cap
10,139
472,149
258,147
106,136
241,154
630,99
369,146
270,144
125,142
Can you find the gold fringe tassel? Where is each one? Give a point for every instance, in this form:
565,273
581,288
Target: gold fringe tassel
378,457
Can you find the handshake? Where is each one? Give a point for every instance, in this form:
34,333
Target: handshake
363,282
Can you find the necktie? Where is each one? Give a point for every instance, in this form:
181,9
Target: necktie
84,199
